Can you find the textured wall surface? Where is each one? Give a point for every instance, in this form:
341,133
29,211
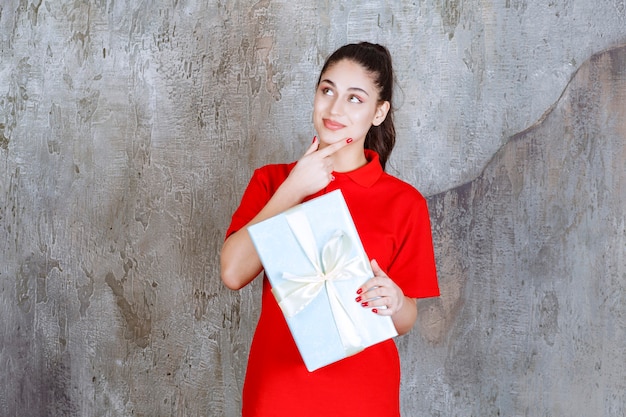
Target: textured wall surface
532,258
128,130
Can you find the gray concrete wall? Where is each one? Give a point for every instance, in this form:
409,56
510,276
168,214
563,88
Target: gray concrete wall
129,129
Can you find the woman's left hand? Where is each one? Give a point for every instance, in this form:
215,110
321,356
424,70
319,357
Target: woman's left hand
380,293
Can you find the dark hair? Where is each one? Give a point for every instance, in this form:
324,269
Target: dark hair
376,60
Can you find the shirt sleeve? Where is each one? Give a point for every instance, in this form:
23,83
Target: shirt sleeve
413,267
252,201
260,189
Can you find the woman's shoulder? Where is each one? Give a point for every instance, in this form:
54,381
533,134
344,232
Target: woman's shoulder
274,170
401,188
272,175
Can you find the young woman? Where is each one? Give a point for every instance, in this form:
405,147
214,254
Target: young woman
355,135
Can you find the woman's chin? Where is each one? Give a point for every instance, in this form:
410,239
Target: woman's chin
330,138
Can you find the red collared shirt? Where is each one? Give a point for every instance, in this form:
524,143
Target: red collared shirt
392,220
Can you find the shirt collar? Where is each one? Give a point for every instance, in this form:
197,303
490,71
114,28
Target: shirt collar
368,174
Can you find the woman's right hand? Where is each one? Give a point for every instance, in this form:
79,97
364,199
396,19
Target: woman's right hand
314,169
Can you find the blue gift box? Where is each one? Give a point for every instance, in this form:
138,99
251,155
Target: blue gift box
315,262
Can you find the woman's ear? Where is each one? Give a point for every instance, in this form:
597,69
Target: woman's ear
381,113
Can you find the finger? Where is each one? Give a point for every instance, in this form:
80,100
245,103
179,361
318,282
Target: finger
378,303
370,292
376,269
365,290
331,149
376,281
382,311
385,306
374,293
314,145
365,287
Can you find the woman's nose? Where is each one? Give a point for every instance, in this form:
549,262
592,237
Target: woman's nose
336,107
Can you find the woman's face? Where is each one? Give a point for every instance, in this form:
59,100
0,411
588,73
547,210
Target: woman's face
346,103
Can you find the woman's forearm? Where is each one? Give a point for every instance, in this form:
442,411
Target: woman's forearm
405,317
239,261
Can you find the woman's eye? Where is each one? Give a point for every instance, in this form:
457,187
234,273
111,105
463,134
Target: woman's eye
354,99
327,91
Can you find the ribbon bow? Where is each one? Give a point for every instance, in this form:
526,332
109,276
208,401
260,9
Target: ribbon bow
336,263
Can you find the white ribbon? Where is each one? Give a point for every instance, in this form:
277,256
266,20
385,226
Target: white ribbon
297,292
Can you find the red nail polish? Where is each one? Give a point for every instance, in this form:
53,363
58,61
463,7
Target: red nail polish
349,140
374,310
314,139
364,303
358,299
359,291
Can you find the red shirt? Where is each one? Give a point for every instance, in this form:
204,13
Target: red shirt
392,220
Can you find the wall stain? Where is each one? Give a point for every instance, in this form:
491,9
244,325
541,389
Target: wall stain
85,292
138,329
548,317
450,16
13,104
31,280
202,299
79,16
4,141
87,106
34,12
263,46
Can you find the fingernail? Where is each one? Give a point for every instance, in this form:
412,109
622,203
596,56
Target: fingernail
314,139
359,291
358,298
349,140
364,304
374,310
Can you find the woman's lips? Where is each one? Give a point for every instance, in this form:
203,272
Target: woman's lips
331,125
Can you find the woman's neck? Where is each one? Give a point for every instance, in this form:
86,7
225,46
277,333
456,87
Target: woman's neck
348,159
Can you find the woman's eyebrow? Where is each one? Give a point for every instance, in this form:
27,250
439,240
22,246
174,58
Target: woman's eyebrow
332,84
